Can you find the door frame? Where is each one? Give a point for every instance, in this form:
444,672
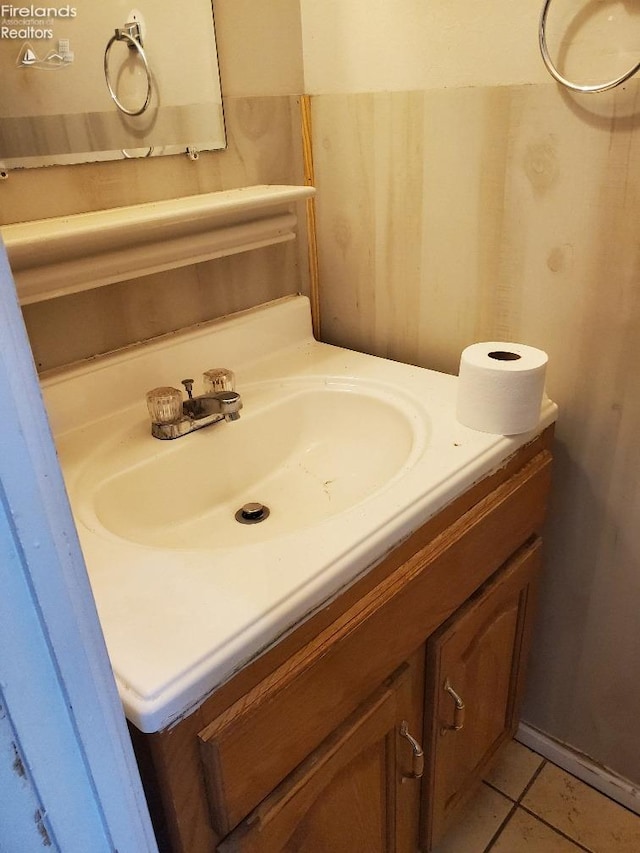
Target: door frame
63,724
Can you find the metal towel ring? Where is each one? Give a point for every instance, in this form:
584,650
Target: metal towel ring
131,34
575,87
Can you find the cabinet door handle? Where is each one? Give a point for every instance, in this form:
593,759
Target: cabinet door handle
417,753
458,709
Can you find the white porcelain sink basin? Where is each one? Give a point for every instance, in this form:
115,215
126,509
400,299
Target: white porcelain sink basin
351,454
306,450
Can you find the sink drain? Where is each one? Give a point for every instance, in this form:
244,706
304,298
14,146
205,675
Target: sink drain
252,513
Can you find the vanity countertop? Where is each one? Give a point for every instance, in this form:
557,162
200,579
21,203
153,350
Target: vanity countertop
186,601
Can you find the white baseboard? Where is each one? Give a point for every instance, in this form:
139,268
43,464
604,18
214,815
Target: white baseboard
579,765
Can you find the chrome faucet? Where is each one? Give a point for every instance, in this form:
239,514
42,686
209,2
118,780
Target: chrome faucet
173,417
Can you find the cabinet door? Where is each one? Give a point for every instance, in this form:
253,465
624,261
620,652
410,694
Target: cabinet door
358,792
475,671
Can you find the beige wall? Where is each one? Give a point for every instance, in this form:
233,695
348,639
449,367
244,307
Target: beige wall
462,196
353,46
261,79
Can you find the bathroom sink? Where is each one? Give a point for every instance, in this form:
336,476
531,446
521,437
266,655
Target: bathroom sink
306,450
350,453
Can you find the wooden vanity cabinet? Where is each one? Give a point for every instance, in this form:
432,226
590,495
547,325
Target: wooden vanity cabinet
315,745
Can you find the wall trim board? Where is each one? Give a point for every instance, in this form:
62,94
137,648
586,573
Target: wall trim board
309,180
581,766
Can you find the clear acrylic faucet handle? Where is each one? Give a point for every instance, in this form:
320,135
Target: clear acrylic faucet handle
219,379
164,404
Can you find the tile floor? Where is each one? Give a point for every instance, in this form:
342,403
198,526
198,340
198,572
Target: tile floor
528,805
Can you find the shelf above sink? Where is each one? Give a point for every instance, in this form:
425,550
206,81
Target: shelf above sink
66,254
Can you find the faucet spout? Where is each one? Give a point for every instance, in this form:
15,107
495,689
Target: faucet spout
226,404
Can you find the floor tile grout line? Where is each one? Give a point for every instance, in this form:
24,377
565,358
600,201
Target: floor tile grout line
503,825
511,799
532,781
499,791
579,844
514,807
561,832
521,805
518,804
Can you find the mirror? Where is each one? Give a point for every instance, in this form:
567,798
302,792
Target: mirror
106,80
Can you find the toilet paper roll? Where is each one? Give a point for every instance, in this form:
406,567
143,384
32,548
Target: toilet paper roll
500,387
